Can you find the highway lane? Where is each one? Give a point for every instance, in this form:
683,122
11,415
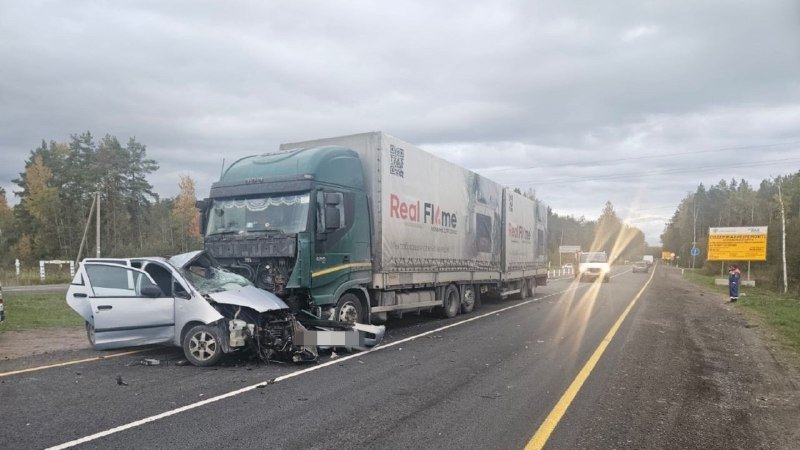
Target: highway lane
486,383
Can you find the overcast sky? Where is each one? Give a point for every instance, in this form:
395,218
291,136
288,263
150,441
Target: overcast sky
635,102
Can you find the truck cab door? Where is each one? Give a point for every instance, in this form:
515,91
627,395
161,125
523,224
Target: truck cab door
341,246
127,306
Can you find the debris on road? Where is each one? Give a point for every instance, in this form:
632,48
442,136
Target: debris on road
150,362
120,381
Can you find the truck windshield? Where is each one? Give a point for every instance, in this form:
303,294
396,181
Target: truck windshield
285,213
594,257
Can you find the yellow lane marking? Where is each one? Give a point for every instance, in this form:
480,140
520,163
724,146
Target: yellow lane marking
550,423
69,363
340,267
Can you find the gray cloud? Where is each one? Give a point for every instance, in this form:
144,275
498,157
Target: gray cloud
551,88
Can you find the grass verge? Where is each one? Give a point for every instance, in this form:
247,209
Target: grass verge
28,311
779,312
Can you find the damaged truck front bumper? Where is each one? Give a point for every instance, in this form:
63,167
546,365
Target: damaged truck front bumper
359,336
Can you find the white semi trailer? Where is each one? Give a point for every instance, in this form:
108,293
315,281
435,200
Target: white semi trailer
367,225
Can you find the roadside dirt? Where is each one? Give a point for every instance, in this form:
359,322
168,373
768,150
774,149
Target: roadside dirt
19,344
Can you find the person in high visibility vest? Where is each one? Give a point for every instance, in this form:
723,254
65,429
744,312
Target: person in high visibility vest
734,275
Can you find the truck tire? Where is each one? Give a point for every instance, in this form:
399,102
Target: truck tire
451,302
349,309
468,298
531,287
523,290
202,346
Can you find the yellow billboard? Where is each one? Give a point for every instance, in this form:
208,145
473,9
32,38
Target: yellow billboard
666,256
737,244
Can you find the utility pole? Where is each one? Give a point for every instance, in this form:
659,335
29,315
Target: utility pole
783,238
85,231
694,228
97,241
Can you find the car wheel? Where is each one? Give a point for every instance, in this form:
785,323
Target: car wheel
349,309
467,299
452,301
202,346
90,334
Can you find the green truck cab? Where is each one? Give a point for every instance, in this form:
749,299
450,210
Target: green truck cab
296,224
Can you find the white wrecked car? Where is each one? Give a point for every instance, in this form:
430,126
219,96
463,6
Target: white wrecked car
192,302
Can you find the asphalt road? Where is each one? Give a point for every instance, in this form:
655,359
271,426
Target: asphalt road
489,381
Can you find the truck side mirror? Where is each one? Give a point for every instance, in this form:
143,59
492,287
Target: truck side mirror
333,198
332,220
202,205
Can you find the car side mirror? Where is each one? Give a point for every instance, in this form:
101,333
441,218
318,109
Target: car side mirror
152,291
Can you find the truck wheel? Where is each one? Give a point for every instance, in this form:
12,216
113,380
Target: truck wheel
467,299
202,346
531,287
349,309
523,290
452,301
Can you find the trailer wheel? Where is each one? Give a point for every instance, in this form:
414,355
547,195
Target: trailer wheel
531,287
349,309
468,298
452,301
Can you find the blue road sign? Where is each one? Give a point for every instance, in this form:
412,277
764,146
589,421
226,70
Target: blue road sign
695,251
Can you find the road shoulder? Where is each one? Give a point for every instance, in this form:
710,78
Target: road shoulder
689,372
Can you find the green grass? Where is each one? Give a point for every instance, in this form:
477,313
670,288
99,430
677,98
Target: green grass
28,311
30,277
780,313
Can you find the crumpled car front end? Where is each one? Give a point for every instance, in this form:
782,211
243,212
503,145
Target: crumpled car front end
258,321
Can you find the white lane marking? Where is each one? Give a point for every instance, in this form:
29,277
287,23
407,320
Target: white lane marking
69,363
262,384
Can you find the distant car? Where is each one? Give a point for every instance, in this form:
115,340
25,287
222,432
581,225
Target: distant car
2,306
190,301
593,265
641,266
567,266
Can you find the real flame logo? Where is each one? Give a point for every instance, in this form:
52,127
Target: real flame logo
421,212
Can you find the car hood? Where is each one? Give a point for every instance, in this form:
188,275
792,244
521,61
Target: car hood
250,297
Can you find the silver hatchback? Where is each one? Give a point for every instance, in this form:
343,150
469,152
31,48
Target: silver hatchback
191,302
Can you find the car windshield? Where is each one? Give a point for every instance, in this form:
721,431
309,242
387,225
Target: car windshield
209,278
594,257
285,213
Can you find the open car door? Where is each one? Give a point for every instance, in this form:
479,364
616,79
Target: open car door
127,307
